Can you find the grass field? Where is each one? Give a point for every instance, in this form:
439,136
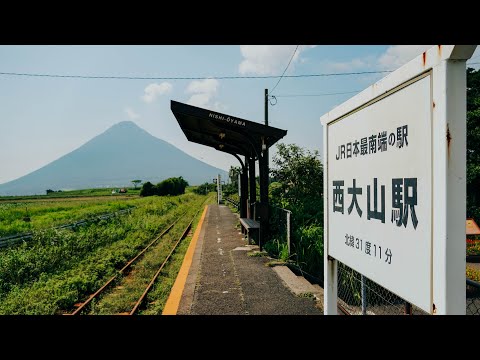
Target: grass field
72,194
46,214
21,214
58,268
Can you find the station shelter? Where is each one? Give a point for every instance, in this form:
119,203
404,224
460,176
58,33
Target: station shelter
248,142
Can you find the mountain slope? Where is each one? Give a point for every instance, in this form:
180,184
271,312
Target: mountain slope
122,153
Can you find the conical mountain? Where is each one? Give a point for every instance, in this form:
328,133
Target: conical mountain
122,153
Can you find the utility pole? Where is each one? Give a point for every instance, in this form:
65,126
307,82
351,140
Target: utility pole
264,170
266,107
266,123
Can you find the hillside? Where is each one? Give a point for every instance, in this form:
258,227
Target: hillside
120,154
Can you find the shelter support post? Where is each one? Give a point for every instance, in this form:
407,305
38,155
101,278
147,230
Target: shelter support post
243,192
253,186
263,208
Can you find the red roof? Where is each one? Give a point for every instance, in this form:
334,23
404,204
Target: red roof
472,227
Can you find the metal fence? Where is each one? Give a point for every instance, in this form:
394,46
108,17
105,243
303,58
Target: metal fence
233,202
18,238
280,229
358,295
473,297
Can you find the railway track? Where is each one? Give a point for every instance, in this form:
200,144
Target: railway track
127,267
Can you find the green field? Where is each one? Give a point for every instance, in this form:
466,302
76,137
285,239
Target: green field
42,214
59,268
73,193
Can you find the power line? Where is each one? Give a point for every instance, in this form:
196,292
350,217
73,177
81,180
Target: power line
284,71
106,77
340,93
324,94
189,77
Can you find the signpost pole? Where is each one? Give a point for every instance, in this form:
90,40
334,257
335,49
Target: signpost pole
449,144
329,263
219,190
364,296
288,231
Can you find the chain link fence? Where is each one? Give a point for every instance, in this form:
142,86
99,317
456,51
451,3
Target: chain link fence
280,232
473,297
358,295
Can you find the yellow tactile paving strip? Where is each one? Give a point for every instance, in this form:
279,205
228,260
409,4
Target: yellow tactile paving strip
173,301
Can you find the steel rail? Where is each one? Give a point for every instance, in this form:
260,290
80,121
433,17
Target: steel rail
122,270
150,285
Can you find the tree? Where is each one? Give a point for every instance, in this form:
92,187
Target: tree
297,185
205,188
233,175
298,177
136,183
232,187
148,189
473,143
172,186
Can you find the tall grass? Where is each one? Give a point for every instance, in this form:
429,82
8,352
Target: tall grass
58,268
45,214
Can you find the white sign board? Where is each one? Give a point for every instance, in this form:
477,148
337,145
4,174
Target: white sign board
394,183
383,152
219,189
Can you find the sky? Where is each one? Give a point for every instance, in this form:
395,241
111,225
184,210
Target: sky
44,118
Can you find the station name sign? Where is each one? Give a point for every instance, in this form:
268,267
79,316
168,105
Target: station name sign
380,191
228,119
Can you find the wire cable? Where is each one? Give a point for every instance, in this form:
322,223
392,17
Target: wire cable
190,77
196,77
284,71
323,94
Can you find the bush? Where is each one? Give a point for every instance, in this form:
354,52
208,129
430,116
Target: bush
148,189
473,274
170,186
308,246
205,188
473,248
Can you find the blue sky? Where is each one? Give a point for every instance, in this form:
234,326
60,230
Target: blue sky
42,119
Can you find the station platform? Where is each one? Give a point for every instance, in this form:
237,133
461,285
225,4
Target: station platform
219,276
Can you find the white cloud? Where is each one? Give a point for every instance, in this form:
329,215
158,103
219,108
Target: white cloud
154,90
132,115
394,57
218,106
268,59
203,86
355,64
398,55
200,100
203,92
